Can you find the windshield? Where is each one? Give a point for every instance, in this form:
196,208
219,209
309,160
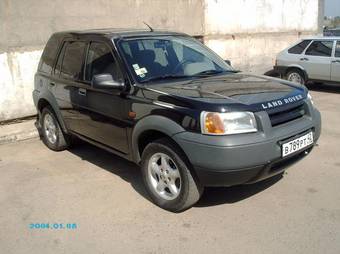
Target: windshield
164,57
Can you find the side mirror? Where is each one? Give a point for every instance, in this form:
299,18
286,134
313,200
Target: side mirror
228,62
105,81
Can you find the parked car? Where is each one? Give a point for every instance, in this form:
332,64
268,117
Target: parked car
331,32
314,59
171,105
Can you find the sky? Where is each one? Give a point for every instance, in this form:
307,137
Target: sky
332,8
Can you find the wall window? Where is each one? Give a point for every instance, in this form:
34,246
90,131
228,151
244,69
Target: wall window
99,61
298,49
73,60
320,48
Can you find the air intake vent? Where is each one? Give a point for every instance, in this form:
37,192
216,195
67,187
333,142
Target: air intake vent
287,115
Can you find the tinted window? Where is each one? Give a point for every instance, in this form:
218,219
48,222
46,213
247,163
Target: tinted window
49,54
60,60
337,49
183,57
73,60
298,49
320,48
100,60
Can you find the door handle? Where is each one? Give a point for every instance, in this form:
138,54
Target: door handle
51,86
336,61
304,59
82,91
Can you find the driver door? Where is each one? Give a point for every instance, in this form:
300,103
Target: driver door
104,112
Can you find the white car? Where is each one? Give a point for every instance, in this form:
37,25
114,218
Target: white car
314,59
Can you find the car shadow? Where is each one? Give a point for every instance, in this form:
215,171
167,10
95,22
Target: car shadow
112,163
228,195
131,173
324,87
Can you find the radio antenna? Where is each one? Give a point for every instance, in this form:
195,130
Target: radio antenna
151,29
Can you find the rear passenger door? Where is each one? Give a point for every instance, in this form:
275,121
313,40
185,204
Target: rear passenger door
335,68
317,59
104,111
68,82
295,52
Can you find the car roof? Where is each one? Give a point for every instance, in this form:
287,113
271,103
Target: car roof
322,38
119,32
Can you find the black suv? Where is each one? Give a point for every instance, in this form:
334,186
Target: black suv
165,101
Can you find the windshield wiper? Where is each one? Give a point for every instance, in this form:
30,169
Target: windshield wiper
165,77
197,75
212,72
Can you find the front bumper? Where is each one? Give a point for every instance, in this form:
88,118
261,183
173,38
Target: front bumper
245,158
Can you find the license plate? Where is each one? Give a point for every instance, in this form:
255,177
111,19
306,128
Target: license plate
297,144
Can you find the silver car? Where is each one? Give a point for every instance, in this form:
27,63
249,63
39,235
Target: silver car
313,59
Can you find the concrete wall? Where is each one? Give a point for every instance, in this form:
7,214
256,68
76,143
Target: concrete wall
248,32
25,26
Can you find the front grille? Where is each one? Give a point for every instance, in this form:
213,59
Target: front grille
287,115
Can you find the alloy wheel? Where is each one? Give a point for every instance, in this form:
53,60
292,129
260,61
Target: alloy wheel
164,176
50,128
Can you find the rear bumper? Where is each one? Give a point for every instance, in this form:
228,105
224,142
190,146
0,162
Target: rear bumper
282,70
35,97
245,158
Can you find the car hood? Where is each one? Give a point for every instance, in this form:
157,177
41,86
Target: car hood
246,91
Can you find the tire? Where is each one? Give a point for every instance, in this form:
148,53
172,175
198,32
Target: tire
188,190
296,76
52,135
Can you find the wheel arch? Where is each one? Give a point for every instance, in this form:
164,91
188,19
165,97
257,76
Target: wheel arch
299,68
150,129
45,101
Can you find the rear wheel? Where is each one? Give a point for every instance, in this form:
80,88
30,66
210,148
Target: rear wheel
167,177
296,76
52,135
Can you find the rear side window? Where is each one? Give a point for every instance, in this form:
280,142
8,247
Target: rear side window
49,54
57,68
298,49
337,49
100,60
73,60
320,48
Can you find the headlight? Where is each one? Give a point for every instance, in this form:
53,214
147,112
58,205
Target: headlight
227,123
310,98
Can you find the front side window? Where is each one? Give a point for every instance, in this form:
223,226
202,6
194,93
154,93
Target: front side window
299,48
73,60
337,49
320,48
170,56
99,61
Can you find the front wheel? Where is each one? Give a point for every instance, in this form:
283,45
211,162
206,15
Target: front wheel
167,177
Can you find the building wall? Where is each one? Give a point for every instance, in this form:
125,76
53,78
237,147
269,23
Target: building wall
248,32
25,26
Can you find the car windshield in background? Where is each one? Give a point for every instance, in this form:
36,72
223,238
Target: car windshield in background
170,57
